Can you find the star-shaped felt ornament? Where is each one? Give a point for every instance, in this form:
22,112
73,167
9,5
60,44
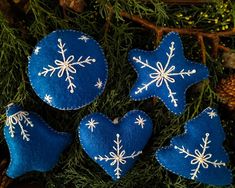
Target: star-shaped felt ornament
33,145
165,73
198,154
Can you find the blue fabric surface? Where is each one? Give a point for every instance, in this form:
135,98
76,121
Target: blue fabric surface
67,69
198,154
33,145
115,147
165,73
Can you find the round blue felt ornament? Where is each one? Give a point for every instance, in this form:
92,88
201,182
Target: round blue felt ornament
67,69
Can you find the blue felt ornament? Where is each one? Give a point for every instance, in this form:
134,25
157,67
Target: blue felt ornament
165,73
115,147
67,69
198,154
33,145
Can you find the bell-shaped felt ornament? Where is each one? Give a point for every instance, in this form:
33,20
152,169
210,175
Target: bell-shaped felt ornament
33,145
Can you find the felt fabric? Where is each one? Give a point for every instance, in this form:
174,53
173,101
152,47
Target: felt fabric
67,69
165,73
198,154
115,147
33,145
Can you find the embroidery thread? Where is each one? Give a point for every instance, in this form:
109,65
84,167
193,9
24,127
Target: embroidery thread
118,157
17,118
66,66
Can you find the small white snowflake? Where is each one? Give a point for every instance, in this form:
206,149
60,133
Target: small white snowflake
92,124
99,84
37,49
212,114
200,158
18,119
84,38
117,157
140,121
48,98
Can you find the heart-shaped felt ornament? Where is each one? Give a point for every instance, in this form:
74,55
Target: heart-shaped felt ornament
115,146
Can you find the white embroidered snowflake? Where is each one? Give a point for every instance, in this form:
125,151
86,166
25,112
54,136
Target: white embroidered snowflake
201,159
66,66
163,75
212,114
99,84
118,157
92,124
48,98
37,49
140,121
84,38
19,118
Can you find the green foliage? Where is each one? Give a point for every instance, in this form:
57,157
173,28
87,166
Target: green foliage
75,169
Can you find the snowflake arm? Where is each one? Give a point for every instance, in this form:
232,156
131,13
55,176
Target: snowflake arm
144,64
171,94
88,61
145,87
182,73
170,56
184,151
133,155
50,70
11,127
